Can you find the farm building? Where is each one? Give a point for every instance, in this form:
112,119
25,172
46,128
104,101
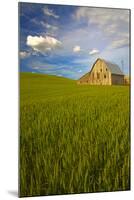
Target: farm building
103,73
126,80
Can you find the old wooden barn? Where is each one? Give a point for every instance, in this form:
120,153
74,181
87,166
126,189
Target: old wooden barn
103,73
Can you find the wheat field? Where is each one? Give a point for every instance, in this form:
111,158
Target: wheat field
73,138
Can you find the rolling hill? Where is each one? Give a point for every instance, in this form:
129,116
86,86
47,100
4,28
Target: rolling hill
73,138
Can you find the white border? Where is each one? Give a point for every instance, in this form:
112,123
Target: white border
9,98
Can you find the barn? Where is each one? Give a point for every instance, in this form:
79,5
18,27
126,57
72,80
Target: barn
126,80
103,73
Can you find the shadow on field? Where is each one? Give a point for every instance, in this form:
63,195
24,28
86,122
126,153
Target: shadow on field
13,193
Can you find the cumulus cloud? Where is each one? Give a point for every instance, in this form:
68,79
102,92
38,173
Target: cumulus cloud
24,54
76,49
93,52
43,44
119,43
50,12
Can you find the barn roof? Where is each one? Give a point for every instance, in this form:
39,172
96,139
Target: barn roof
113,68
85,75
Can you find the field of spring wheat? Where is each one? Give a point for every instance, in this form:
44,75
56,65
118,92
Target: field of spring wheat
73,138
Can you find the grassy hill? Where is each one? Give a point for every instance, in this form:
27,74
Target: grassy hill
73,138
41,87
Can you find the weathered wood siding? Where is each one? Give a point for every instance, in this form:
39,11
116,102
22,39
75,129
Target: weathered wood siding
99,75
117,79
84,79
126,80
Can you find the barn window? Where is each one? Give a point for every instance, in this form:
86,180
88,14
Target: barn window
104,75
98,75
106,69
101,70
93,75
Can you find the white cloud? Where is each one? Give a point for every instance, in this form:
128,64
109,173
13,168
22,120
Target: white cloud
102,16
24,54
50,12
113,23
43,44
49,26
43,24
76,49
119,43
94,51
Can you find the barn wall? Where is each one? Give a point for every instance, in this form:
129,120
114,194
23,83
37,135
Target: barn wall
100,75
83,80
126,80
117,79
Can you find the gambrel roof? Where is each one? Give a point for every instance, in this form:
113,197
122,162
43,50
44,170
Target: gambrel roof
114,69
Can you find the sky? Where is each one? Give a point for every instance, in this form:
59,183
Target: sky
66,40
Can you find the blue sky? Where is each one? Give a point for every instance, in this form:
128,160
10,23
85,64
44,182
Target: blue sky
66,40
